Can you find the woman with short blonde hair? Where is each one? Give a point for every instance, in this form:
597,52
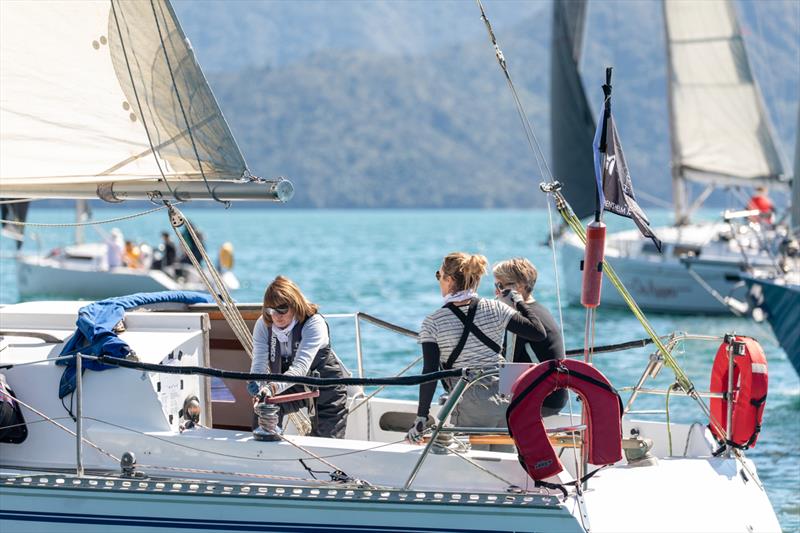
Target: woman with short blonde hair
292,338
467,331
520,275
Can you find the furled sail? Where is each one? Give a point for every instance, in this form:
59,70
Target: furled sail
721,133
571,122
105,92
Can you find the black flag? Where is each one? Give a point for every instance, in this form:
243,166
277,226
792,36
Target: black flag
614,185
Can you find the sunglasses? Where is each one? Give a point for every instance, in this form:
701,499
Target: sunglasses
502,286
280,310
438,275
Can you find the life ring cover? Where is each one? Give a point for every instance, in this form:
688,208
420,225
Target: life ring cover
601,401
750,385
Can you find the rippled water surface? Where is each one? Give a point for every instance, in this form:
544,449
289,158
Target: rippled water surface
383,263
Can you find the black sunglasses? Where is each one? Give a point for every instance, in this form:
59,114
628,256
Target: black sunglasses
501,286
438,275
280,310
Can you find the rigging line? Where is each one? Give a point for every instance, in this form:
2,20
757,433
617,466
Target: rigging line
311,454
382,387
63,427
139,103
655,200
475,464
220,293
87,223
180,102
533,141
230,455
555,264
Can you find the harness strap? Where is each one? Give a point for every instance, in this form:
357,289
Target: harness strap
469,327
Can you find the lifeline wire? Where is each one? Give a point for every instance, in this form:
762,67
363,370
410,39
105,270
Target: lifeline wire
87,223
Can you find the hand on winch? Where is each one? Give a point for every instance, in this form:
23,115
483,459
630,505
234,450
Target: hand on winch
511,298
415,434
259,391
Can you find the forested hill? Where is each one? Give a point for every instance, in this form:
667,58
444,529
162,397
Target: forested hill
402,104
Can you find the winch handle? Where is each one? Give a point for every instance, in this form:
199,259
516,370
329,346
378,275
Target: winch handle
282,398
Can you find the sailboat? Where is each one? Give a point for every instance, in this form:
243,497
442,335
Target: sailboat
778,297
721,137
145,444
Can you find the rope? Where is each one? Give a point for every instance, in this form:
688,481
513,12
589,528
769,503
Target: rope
669,426
216,287
87,223
64,428
555,266
640,343
279,378
533,142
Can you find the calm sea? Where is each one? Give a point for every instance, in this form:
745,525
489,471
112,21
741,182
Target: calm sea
383,263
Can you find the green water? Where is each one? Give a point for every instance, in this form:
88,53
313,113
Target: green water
383,263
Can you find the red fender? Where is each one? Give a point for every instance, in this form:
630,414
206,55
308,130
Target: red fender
601,401
750,384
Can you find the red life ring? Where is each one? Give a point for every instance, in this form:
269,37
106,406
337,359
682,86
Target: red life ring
600,399
750,384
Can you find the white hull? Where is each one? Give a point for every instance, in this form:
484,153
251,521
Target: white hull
85,276
663,283
208,478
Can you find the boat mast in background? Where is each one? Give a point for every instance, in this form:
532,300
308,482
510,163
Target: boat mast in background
571,120
721,134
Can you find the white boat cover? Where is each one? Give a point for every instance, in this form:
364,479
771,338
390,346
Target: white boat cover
721,132
91,90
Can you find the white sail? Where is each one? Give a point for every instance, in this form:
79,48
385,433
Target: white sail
721,132
100,92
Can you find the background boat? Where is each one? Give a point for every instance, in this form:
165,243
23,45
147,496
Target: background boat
721,138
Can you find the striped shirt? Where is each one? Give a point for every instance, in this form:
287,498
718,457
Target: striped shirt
444,328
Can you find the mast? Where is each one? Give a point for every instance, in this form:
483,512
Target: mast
679,188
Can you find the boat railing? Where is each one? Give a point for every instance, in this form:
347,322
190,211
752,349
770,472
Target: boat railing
467,379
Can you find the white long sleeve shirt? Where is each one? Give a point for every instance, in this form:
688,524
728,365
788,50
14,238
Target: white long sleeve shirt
314,337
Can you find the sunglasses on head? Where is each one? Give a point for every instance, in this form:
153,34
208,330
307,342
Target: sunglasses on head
280,310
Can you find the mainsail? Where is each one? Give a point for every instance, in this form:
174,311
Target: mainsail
102,97
721,134
571,123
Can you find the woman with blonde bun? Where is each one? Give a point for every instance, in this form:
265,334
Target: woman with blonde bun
468,331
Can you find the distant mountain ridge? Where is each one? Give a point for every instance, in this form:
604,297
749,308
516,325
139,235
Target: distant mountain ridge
398,104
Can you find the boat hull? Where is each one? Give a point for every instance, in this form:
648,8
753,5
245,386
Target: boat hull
781,304
47,503
659,285
43,277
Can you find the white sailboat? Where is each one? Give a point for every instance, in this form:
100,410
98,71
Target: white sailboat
721,137
147,446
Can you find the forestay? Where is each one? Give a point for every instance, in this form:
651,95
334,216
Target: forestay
88,87
721,132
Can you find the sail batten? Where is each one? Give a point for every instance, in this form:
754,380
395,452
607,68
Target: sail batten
721,130
105,91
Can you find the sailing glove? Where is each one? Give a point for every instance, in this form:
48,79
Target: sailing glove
253,387
414,434
511,298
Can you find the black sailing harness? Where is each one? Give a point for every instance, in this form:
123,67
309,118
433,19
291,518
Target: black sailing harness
469,327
